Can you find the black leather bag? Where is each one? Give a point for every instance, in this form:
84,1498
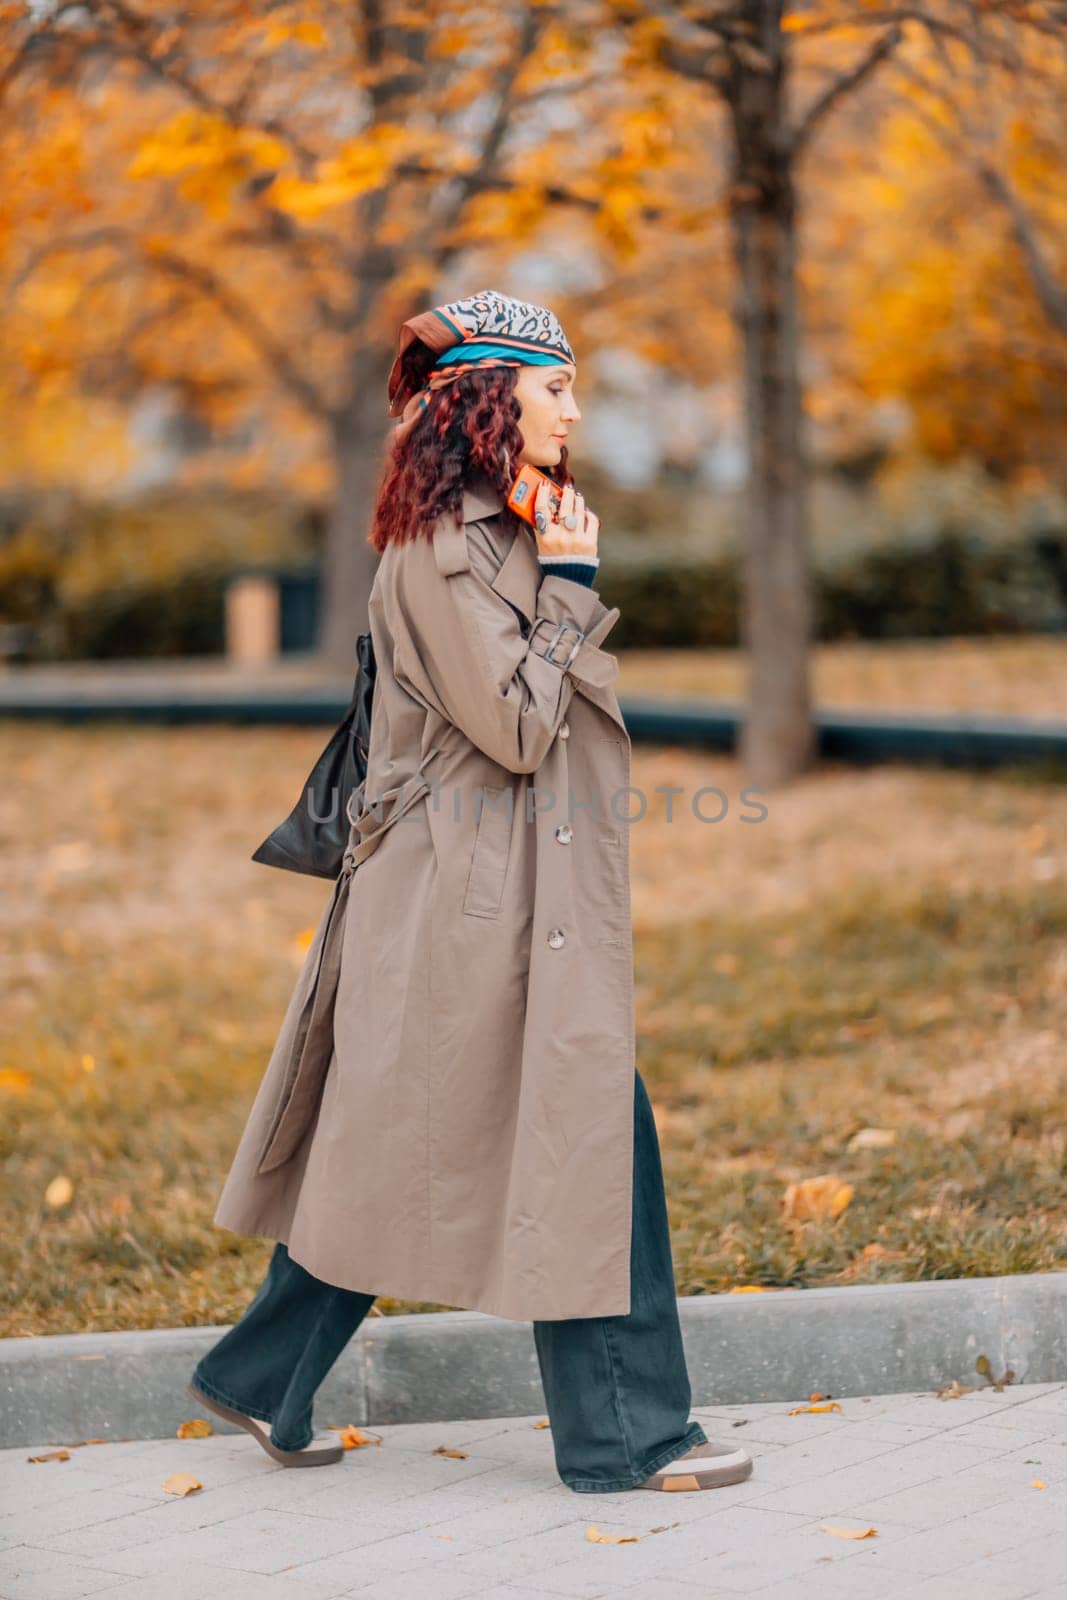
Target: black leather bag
314,835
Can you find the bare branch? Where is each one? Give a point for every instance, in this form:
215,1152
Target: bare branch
237,311
842,86
1051,294
126,33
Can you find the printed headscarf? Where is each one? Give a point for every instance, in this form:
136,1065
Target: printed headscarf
486,329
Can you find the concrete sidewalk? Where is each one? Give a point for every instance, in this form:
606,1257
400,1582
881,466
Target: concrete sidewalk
953,1487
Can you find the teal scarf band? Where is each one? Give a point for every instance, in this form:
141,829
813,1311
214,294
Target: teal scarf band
476,355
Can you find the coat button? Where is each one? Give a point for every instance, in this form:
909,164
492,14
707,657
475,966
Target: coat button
564,731
557,938
564,833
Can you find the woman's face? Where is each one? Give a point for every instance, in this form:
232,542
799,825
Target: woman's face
548,408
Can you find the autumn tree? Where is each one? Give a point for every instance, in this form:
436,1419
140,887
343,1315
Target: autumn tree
262,195
780,74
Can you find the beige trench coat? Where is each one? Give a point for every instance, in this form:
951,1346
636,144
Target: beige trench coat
447,1115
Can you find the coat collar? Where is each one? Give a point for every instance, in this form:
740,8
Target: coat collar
519,575
480,499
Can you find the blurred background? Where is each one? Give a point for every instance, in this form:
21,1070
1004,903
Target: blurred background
813,262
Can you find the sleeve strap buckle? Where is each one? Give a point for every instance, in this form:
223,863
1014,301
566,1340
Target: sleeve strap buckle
559,637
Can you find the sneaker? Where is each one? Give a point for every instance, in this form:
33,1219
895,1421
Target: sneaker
704,1466
312,1455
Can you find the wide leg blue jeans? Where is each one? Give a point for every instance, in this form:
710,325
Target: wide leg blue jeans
616,1388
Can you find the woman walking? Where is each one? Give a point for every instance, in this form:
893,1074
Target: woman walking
452,1111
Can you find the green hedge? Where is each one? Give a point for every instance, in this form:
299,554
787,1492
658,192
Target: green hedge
141,579
946,584
152,581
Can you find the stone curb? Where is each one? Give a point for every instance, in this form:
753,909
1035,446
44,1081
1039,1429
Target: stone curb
460,1365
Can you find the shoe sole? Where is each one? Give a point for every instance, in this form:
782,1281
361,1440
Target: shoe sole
710,1478
320,1456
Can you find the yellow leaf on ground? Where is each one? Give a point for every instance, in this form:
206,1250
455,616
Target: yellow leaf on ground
353,1438
14,1081
60,1192
812,1198
831,1405
594,1535
544,1423
1038,1483
457,1455
196,1428
53,1455
748,1288
849,1533
181,1483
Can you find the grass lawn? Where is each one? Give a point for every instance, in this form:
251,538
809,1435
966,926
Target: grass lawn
1009,675
886,950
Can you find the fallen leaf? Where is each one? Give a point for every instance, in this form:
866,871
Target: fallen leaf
849,1533
594,1535
457,1455
817,1411
53,1455
814,1398
1038,1483
14,1081
983,1366
60,1192
353,1438
544,1423
197,1428
955,1390
811,1198
873,1139
748,1288
181,1483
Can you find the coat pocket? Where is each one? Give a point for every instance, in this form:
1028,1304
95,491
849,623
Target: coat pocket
489,858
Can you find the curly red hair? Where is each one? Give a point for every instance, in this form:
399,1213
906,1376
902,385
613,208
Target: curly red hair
470,424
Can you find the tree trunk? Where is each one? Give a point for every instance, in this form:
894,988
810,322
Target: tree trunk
359,436
778,736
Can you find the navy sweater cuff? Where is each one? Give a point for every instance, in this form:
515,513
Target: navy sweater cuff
578,571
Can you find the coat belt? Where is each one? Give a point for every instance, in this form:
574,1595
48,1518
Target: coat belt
309,1057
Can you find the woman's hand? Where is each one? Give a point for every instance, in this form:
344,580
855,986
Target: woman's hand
554,538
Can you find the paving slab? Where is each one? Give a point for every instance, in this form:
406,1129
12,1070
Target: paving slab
953,1488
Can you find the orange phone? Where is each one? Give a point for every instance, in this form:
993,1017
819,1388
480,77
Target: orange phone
524,491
